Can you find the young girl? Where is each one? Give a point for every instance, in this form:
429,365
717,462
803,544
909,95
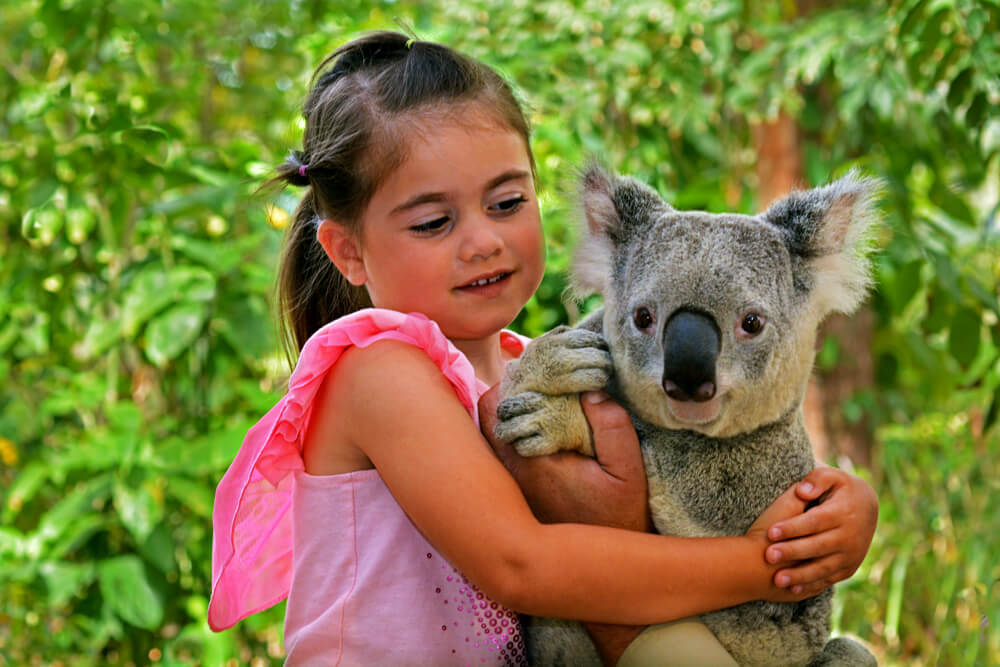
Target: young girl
367,495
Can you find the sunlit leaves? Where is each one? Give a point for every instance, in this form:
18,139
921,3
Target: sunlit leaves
136,342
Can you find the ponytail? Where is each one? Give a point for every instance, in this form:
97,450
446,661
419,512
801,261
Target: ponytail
311,292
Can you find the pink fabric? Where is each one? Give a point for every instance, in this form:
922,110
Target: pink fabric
252,562
368,589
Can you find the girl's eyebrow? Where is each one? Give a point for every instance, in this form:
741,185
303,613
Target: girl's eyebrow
432,197
509,175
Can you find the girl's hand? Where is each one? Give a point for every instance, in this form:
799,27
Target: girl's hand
566,487
830,538
785,507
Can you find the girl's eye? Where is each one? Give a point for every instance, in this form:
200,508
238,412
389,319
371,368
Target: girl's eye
752,324
430,226
643,318
508,205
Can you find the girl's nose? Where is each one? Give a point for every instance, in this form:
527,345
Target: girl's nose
482,240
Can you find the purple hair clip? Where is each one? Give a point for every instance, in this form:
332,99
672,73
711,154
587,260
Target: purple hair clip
302,170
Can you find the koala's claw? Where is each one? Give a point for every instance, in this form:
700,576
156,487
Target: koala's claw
564,361
536,424
585,379
518,405
519,422
578,338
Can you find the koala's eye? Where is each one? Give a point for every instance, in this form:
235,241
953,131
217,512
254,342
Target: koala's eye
752,324
643,318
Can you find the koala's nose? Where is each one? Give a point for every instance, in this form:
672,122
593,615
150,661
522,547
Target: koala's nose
690,347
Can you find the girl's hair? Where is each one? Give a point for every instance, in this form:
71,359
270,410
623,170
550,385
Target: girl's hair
356,115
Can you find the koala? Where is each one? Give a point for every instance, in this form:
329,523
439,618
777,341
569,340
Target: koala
707,338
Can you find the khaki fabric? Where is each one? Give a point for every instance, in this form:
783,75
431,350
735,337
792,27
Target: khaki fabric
683,643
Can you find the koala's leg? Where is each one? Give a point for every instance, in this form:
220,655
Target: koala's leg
553,642
539,411
844,652
773,634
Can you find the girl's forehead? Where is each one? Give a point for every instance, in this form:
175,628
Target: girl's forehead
426,125
448,153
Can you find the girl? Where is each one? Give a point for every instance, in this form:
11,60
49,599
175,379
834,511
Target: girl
367,494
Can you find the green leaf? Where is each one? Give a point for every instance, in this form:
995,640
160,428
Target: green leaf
41,224
952,204
886,369
964,335
976,113
913,17
75,505
897,579
902,285
154,287
207,454
158,549
939,309
245,324
150,142
24,487
194,496
992,412
172,332
76,534
218,257
139,509
128,593
100,335
959,87
65,580
13,544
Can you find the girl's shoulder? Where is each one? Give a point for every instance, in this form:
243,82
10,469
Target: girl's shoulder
363,329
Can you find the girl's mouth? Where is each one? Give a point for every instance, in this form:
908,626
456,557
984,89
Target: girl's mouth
488,284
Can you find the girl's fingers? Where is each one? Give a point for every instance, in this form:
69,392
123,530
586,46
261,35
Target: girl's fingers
816,520
823,572
819,481
817,587
816,546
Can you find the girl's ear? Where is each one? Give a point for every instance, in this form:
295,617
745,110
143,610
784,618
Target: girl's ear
343,249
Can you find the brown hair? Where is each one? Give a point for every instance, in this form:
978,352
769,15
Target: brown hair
352,142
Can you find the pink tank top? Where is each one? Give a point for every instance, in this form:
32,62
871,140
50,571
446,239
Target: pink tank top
363,585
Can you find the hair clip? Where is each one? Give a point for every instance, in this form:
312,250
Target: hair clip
408,30
302,170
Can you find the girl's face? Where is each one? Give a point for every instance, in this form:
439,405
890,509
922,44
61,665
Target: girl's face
454,232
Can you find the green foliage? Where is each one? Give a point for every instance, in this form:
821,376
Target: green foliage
137,345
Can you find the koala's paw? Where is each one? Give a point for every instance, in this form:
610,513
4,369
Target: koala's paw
563,361
538,424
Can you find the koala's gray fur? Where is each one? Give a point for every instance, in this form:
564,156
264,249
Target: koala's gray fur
729,439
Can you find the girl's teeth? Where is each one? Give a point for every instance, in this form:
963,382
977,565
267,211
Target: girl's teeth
487,281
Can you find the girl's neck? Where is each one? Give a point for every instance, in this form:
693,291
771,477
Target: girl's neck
485,355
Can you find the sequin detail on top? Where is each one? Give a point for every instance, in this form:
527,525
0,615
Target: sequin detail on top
479,621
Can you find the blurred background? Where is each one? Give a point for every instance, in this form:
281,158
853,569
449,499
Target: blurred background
137,264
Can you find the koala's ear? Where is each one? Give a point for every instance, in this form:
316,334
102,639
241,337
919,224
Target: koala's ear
828,231
592,266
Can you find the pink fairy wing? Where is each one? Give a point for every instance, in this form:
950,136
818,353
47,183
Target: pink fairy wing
252,540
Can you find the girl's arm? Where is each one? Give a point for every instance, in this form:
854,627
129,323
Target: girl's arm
393,404
827,542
